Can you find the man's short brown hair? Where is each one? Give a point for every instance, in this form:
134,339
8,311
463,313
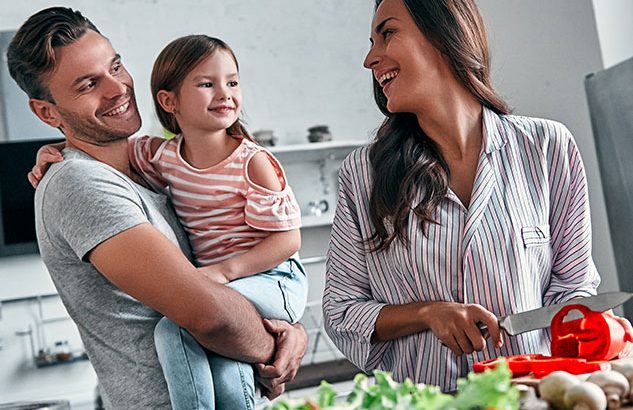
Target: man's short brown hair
31,53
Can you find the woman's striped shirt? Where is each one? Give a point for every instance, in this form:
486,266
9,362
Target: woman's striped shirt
223,212
524,242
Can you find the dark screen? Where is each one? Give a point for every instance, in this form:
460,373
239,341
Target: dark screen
17,222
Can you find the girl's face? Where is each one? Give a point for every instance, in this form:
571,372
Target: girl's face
210,97
409,69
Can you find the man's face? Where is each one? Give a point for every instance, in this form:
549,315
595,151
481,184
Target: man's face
92,91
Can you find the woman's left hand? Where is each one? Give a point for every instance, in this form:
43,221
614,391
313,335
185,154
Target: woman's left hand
628,328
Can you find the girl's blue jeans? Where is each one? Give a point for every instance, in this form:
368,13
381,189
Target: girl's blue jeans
199,379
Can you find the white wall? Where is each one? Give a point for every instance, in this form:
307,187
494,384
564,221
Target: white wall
614,20
300,62
542,51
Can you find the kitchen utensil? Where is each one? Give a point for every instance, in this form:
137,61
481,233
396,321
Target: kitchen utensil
542,317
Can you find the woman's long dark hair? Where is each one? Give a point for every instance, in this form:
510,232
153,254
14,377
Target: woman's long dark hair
404,160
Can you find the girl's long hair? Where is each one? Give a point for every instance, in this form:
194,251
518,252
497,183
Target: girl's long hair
404,160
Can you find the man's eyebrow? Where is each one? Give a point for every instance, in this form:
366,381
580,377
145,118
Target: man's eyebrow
78,80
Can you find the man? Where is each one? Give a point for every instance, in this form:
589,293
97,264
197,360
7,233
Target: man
112,247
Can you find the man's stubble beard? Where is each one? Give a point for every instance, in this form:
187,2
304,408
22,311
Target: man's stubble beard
92,131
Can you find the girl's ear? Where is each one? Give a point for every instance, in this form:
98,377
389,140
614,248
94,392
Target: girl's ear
167,101
46,111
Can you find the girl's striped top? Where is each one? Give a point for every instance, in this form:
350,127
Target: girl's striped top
223,212
524,242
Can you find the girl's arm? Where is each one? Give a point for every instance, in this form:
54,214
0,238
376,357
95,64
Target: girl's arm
270,252
267,254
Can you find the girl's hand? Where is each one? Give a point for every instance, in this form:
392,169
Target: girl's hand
457,326
46,155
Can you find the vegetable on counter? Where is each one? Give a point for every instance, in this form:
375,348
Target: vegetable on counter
595,336
540,365
578,346
488,390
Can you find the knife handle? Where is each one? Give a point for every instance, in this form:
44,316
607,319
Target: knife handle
483,328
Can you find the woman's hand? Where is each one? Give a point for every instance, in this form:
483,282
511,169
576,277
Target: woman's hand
457,325
627,352
46,155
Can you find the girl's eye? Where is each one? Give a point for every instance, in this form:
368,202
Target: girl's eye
206,85
233,83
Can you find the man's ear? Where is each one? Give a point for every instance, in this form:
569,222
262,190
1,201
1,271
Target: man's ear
167,101
46,111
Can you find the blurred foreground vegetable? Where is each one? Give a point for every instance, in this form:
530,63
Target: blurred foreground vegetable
488,390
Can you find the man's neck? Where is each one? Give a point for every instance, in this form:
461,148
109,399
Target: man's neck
114,153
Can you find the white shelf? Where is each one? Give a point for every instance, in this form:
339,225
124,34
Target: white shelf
315,150
311,221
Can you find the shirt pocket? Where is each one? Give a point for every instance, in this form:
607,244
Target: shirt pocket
535,235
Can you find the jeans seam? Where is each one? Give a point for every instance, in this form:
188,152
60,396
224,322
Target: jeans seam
287,307
244,387
191,378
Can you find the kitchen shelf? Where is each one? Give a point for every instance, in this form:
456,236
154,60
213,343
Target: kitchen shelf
315,151
312,221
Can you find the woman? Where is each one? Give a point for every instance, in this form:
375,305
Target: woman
457,213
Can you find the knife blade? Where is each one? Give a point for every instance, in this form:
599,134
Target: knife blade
542,317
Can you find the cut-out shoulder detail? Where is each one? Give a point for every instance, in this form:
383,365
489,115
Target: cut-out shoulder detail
262,172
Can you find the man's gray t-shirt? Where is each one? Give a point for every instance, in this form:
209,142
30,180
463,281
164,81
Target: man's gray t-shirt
80,203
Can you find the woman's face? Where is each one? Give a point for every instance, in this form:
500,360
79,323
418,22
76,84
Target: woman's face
409,69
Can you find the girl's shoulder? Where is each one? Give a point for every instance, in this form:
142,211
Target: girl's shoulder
151,144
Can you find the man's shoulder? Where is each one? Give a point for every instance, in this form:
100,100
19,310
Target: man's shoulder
75,173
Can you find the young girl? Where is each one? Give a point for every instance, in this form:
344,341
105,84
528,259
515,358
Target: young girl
233,200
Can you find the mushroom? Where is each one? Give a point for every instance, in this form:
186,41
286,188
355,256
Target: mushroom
614,385
552,388
626,368
585,396
528,399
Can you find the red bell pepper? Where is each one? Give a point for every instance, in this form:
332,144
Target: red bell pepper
595,336
540,365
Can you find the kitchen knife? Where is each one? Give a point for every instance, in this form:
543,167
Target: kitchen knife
542,317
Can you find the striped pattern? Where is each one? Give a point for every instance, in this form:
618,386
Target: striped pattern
223,212
524,242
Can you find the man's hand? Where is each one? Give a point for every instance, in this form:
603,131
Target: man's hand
291,344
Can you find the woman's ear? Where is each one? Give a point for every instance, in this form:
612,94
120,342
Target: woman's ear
167,101
46,111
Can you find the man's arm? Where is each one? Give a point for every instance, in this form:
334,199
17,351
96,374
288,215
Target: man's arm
146,265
